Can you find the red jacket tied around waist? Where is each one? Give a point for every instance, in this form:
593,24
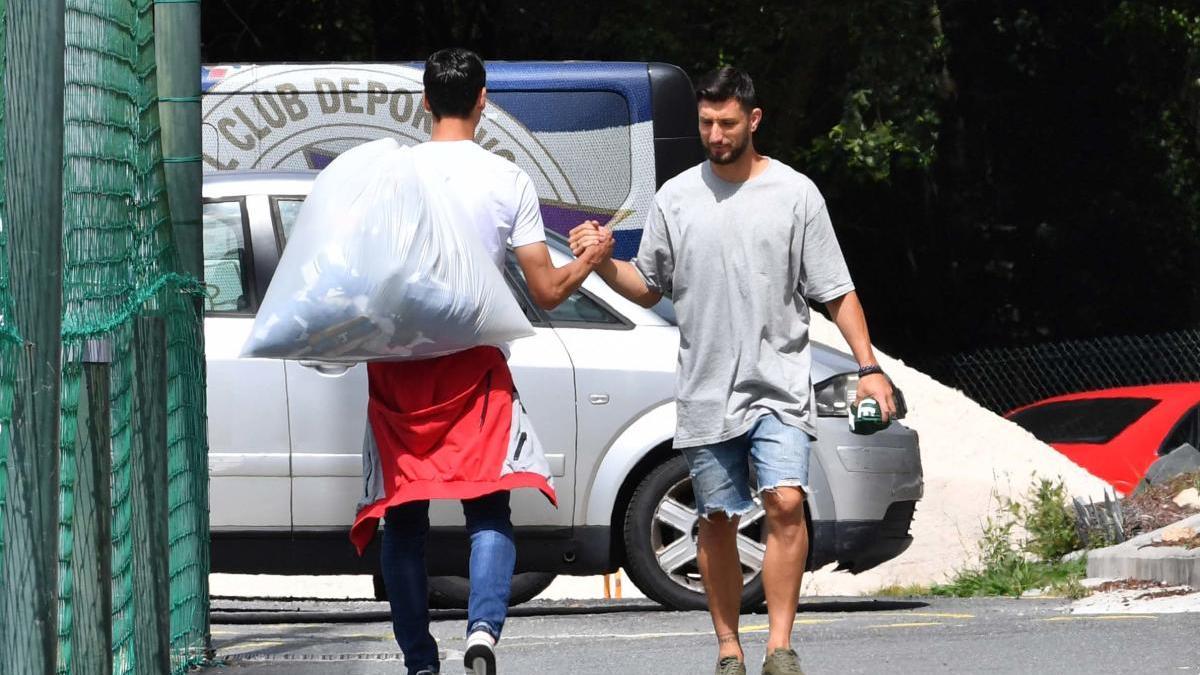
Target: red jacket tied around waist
450,427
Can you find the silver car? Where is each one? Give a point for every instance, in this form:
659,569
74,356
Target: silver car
597,379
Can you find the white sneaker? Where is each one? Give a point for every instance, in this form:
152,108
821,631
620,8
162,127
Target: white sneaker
480,657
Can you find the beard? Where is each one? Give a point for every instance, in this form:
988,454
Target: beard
729,156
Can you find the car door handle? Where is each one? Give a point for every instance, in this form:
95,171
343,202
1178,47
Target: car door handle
327,369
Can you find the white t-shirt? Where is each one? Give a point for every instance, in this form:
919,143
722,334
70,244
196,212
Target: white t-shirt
494,194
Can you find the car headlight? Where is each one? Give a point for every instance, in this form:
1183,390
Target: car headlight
838,393
835,395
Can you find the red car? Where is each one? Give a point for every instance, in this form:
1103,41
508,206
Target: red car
1116,434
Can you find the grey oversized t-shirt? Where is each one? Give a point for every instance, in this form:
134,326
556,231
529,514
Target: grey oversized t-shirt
738,260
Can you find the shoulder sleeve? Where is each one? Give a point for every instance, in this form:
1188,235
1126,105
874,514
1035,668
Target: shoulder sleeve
656,256
823,272
527,227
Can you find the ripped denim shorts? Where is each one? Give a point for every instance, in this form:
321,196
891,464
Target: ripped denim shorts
721,472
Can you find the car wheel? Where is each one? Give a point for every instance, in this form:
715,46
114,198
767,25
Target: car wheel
661,526
453,592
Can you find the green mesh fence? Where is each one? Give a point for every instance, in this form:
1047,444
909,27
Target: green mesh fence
133,506
8,334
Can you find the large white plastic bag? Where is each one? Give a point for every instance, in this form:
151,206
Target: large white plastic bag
378,268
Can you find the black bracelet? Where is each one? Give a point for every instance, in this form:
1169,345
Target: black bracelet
870,370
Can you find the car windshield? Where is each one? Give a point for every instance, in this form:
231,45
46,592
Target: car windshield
664,309
1096,420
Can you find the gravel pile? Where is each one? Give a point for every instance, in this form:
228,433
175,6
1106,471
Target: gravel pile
970,456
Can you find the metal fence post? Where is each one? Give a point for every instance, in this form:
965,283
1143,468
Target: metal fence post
93,516
33,102
149,460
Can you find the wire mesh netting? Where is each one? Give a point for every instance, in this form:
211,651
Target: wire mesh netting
1003,379
9,339
132,569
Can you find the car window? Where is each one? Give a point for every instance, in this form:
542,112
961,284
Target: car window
582,309
579,309
1096,420
285,210
226,261
1186,431
557,114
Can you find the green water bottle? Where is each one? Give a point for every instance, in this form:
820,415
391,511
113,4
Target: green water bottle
866,417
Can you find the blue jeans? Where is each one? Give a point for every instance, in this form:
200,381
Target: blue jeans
721,472
493,556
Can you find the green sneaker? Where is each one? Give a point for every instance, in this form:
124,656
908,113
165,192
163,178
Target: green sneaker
730,665
782,662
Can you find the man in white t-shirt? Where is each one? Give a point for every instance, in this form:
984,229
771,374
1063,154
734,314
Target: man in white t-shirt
491,193
448,427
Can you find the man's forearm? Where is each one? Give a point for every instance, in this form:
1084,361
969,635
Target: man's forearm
623,278
564,281
847,313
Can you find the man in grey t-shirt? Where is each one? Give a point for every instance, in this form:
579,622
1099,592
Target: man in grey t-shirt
739,243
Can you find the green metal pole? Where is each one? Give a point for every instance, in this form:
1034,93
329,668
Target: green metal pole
177,51
93,516
177,56
152,604
33,115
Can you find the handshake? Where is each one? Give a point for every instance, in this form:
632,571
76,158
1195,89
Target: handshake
591,242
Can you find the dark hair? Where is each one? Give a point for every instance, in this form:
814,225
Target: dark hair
453,79
725,83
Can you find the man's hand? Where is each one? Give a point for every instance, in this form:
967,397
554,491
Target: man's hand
592,244
597,247
589,233
878,387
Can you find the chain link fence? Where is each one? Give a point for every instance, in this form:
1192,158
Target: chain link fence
1003,379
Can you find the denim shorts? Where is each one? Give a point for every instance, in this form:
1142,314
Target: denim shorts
721,472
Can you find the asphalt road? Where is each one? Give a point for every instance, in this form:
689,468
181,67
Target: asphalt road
853,636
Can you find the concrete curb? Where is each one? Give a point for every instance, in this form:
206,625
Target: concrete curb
1137,559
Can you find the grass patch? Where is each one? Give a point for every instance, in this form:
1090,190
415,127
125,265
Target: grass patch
1016,577
1011,563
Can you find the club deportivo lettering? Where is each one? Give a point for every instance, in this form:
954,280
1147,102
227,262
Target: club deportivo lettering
287,106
